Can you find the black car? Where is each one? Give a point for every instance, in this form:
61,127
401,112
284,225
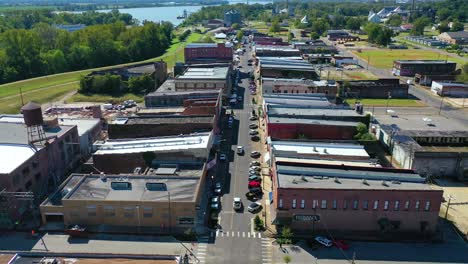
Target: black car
255,138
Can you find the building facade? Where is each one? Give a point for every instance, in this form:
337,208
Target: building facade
381,88
450,89
207,53
156,203
425,67
317,199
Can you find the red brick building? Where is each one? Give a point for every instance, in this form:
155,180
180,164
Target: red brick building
352,200
207,52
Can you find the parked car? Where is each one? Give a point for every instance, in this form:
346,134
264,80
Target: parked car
218,188
254,163
254,184
253,118
237,203
256,190
255,154
324,241
253,132
254,207
253,93
222,157
215,203
255,178
239,98
253,126
256,168
240,150
255,138
341,244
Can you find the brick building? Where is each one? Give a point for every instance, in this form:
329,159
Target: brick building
207,53
295,86
286,68
163,202
381,88
124,155
36,168
317,198
424,67
158,126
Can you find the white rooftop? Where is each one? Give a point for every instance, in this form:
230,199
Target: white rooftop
13,155
319,148
182,142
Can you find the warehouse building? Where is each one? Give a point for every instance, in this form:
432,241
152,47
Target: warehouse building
284,68
381,88
450,89
424,67
295,86
207,53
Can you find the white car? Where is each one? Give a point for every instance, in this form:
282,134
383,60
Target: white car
237,204
324,241
254,163
218,188
240,150
253,207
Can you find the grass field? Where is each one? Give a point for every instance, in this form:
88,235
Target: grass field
383,58
383,102
53,87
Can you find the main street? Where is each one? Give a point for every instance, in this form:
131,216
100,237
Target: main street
235,241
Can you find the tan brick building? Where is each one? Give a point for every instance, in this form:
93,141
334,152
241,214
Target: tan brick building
164,202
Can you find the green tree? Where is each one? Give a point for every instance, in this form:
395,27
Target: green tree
443,27
54,61
287,259
463,77
320,26
236,26
141,84
239,35
353,23
418,26
275,26
287,234
457,26
362,132
394,21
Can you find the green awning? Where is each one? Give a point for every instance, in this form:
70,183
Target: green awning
282,221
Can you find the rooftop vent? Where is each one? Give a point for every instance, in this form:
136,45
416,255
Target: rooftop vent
337,180
121,186
384,183
304,178
318,177
325,150
396,182
315,149
364,181
294,181
156,186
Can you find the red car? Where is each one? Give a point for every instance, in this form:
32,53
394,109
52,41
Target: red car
254,184
341,244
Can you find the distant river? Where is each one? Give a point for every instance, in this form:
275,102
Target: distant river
168,13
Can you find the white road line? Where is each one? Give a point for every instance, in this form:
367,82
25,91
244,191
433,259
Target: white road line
227,234
238,233
248,234
259,235
243,234
217,233
232,233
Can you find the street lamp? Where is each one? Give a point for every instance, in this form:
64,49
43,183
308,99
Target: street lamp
138,216
448,205
388,100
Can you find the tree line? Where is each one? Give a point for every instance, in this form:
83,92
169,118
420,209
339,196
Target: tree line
26,19
44,49
114,84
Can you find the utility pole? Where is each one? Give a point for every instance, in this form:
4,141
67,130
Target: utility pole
21,95
448,205
441,104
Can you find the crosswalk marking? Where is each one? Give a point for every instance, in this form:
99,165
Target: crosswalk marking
234,234
266,250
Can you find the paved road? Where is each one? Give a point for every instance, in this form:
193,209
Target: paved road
235,241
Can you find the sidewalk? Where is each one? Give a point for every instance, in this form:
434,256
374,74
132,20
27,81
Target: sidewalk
110,244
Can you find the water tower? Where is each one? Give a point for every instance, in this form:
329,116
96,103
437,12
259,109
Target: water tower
32,114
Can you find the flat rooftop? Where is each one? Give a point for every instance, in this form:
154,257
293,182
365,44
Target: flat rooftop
163,120
310,177
216,73
142,69
423,61
279,110
159,144
16,133
308,121
452,84
130,188
282,63
290,148
289,100
13,155
271,82
168,88
317,161
423,125
160,111
202,45
83,124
